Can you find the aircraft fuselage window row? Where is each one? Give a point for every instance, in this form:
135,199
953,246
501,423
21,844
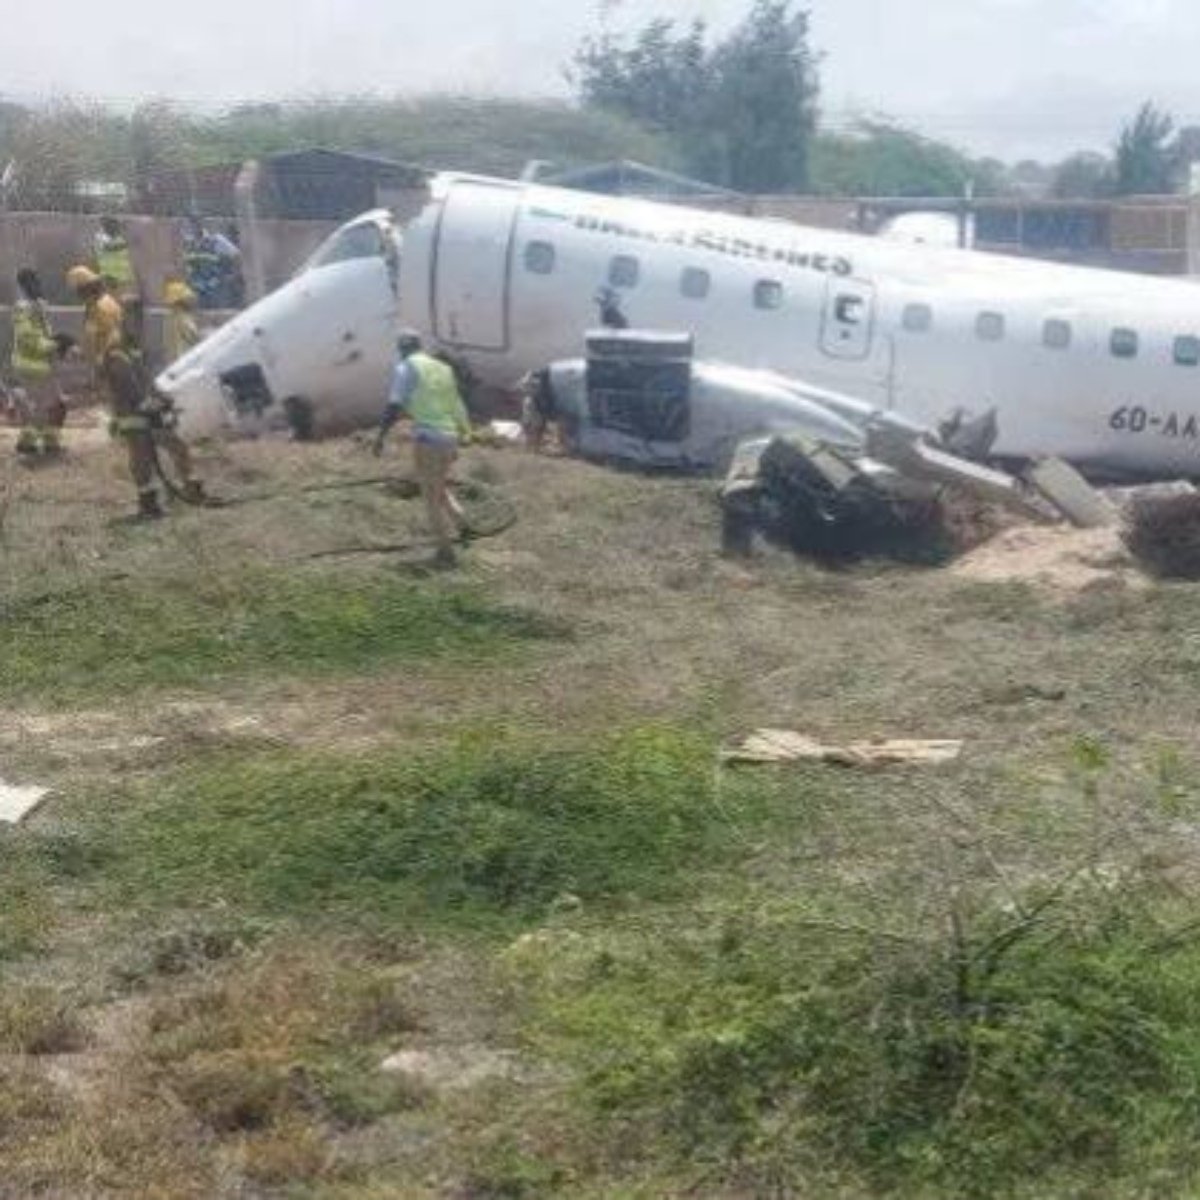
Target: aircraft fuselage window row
625,271
1056,334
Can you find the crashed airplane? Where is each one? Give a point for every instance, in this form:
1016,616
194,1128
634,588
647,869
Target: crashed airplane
847,340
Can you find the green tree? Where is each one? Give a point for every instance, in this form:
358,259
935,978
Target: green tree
661,79
60,146
160,139
63,146
881,159
741,113
1145,158
1084,176
12,117
765,100
492,136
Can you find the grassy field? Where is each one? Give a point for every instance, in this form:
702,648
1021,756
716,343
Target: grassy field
313,814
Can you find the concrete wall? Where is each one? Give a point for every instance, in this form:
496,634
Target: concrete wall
70,320
55,242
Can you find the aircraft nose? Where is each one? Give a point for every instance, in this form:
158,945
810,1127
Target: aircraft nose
196,384
199,400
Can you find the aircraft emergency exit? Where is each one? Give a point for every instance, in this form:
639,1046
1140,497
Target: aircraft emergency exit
1097,367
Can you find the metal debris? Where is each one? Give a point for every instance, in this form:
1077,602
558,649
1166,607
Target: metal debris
774,746
1064,487
17,803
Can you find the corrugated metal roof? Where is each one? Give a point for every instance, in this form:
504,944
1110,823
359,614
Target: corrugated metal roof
628,175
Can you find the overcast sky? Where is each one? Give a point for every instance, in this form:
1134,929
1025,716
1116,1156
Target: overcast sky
1012,77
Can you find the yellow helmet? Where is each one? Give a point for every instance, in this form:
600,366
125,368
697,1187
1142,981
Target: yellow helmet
177,294
81,277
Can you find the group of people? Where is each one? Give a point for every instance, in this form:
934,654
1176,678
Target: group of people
424,388
211,266
114,347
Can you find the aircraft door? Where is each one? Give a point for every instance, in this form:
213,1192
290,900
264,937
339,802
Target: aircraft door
471,265
848,323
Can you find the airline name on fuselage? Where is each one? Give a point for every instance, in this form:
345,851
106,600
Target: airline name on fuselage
702,239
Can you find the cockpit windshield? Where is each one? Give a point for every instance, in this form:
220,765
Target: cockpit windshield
358,241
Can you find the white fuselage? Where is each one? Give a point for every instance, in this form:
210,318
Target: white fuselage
1099,367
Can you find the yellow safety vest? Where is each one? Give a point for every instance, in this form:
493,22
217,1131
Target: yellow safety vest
180,333
104,330
115,263
34,350
437,403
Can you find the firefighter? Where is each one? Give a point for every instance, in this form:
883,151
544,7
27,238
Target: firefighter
142,421
114,265
36,353
426,390
181,330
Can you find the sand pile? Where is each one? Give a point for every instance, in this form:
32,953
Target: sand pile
1058,558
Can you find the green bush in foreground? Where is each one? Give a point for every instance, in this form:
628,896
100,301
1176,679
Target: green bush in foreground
1033,1058
487,828
142,633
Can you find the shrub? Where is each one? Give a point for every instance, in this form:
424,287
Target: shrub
1051,1049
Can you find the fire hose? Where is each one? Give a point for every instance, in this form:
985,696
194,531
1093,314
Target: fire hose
493,516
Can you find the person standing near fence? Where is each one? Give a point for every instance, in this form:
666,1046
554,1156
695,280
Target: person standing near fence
212,265
181,330
114,264
36,353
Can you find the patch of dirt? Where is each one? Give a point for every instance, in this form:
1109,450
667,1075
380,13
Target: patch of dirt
1060,560
455,1068
98,734
86,1075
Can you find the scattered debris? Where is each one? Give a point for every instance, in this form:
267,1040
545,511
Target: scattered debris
826,502
1164,534
506,433
1067,490
900,498
772,746
17,803
918,458
1126,498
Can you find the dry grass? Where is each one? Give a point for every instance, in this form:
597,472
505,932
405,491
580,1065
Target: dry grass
248,1066
39,1022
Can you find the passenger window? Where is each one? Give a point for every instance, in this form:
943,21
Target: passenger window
1057,335
990,327
1124,343
1187,351
624,271
540,258
768,295
918,318
695,284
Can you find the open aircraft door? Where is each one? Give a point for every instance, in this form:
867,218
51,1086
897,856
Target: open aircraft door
848,323
471,266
